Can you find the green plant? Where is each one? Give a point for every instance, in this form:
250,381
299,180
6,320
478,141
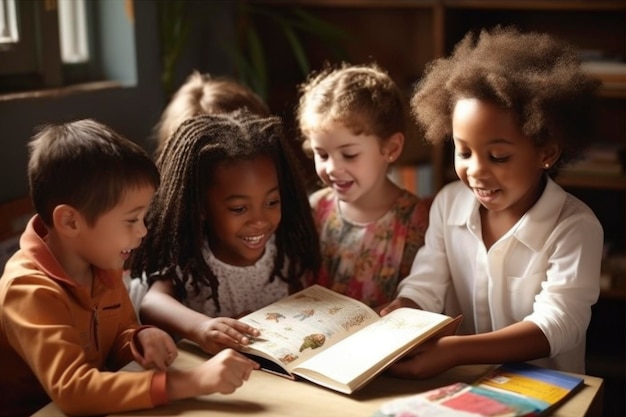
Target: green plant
246,51
174,33
248,54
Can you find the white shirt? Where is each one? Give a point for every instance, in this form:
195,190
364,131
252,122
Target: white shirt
545,269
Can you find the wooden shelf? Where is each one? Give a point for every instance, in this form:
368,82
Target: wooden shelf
580,5
613,293
404,36
606,182
353,3
612,91
414,32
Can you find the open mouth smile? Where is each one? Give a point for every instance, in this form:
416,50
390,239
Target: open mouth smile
253,240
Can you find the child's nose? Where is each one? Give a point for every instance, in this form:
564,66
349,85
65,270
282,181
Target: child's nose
142,230
333,165
475,167
258,219
258,223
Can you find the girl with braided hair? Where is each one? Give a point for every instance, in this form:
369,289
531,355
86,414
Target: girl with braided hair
230,229
201,93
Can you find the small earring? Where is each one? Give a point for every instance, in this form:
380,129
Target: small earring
546,165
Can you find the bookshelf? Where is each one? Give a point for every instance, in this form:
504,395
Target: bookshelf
404,35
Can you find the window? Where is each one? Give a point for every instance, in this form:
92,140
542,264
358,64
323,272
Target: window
15,43
73,31
8,24
48,44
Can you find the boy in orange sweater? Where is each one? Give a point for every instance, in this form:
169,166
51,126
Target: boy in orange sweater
66,321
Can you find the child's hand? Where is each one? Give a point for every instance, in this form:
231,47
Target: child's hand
225,372
397,303
216,334
426,360
157,347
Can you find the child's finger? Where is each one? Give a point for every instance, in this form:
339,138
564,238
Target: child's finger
245,328
170,358
234,335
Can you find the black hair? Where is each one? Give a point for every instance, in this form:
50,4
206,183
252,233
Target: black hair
86,165
175,227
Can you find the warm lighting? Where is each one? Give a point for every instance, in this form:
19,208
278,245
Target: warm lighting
8,25
73,31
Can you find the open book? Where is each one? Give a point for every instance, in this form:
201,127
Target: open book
336,341
509,390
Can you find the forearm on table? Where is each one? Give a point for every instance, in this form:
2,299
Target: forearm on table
519,342
182,384
167,313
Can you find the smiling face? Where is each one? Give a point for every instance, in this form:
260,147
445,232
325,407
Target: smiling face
243,211
354,166
502,166
108,243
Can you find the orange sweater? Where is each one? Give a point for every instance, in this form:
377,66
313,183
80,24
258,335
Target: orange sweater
59,342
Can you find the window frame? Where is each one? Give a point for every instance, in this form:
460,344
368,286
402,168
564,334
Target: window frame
34,62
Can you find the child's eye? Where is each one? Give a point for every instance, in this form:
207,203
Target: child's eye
463,155
321,156
499,159
237,210
132,221
350,156
273,203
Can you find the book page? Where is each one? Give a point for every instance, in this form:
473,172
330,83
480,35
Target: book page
306,323
373,347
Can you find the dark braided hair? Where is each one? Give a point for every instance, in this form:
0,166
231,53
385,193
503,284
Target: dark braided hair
176,232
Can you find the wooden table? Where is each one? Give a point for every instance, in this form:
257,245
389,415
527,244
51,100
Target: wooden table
266,394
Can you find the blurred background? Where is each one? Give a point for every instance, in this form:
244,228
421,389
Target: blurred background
119,61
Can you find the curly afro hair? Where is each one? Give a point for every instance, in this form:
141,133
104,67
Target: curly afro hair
534,75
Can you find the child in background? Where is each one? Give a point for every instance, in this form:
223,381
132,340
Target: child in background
230,229
205,94
66,322
353,122
506,246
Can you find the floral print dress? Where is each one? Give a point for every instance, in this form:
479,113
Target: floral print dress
366,261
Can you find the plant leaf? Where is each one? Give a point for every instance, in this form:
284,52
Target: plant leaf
257,60
314,25
297,49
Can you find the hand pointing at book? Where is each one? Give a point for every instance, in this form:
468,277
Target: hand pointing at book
216,334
